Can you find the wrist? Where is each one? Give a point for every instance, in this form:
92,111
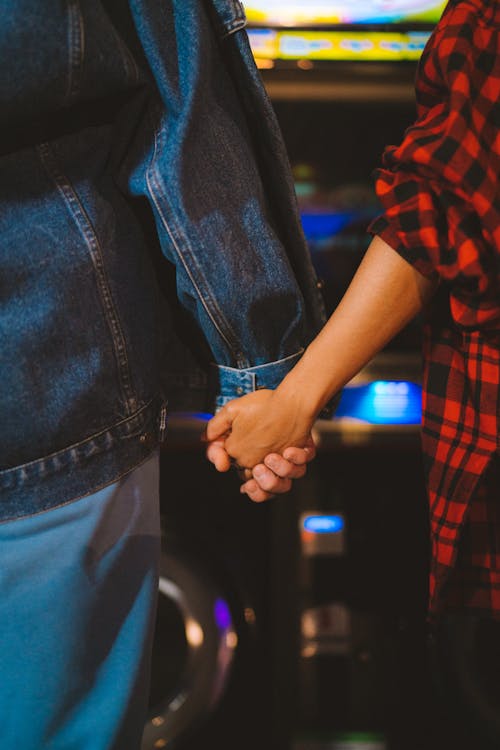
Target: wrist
310,386
302,402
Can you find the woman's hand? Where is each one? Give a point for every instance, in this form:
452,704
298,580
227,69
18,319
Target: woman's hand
256,425
384,295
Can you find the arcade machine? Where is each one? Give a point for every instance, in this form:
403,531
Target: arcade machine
300,624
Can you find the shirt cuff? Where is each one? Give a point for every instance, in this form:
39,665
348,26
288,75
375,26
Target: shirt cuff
230,383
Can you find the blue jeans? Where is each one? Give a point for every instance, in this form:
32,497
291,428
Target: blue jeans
78,589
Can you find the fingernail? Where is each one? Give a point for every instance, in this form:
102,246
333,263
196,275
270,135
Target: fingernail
258,473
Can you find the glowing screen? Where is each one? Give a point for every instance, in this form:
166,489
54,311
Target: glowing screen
382,402
323,524
331,12
336,45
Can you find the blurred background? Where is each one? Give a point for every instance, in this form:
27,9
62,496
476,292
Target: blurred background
300,624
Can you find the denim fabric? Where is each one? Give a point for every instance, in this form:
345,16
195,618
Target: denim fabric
79,587
239,382
111,112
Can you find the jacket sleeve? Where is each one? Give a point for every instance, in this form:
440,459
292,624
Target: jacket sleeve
214,170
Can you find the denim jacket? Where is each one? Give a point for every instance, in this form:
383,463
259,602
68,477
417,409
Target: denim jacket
149,235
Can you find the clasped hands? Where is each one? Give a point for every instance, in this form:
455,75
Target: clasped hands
267,438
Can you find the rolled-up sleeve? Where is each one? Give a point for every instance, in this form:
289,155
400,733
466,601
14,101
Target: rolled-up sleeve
439,189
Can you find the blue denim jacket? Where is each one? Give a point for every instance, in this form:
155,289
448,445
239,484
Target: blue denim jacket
125,127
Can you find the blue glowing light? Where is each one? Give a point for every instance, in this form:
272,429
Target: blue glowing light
389,388
322,225
323,524
222,614
193,415
382,402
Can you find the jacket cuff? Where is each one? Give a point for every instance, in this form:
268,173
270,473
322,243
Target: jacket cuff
230,383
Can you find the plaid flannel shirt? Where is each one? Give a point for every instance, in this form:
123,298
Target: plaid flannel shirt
441,198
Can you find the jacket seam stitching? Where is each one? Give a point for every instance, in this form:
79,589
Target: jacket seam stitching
152,182
84,224
255,368
94,491
23,468
76,47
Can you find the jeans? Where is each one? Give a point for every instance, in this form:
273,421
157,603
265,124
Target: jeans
78,593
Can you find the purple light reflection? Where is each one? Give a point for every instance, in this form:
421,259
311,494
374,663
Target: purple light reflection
222,614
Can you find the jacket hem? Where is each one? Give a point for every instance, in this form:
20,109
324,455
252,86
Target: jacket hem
82,468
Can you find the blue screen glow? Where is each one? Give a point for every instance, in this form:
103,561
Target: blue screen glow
194,415
222,614
319,226
323,524
382,402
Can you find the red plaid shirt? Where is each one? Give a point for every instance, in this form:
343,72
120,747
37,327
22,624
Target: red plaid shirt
441,197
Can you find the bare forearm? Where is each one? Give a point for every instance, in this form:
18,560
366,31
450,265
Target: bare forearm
385,294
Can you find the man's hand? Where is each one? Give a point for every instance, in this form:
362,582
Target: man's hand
258,424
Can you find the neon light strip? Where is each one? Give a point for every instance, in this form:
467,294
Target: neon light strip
336,45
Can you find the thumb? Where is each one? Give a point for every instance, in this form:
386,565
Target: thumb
219,425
